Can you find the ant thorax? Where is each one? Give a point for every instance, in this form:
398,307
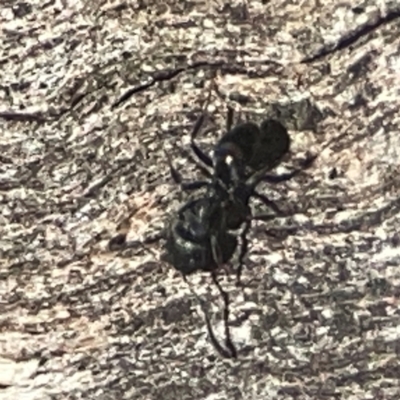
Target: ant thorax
228,163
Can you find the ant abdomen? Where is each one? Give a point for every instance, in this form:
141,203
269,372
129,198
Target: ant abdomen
189,243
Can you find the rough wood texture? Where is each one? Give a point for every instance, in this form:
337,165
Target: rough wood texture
319,317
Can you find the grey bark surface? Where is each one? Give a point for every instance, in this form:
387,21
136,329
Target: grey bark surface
80,161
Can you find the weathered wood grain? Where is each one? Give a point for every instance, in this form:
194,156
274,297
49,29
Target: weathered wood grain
319,317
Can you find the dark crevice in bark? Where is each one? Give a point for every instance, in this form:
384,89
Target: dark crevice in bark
352,37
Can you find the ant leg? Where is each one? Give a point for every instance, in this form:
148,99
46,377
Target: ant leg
230,110
224,353
218,260
260,175
229,118
177,177
269,203
281,178
228,340
244,245
204,158
202,168
216,251
263,217
285,177
199,153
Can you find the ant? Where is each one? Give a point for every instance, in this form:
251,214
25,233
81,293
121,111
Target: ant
239,163
199,236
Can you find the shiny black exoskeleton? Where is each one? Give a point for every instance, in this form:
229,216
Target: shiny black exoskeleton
197,232
200,235
239,163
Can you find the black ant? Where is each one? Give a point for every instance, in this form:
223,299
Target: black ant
199,236
240,161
